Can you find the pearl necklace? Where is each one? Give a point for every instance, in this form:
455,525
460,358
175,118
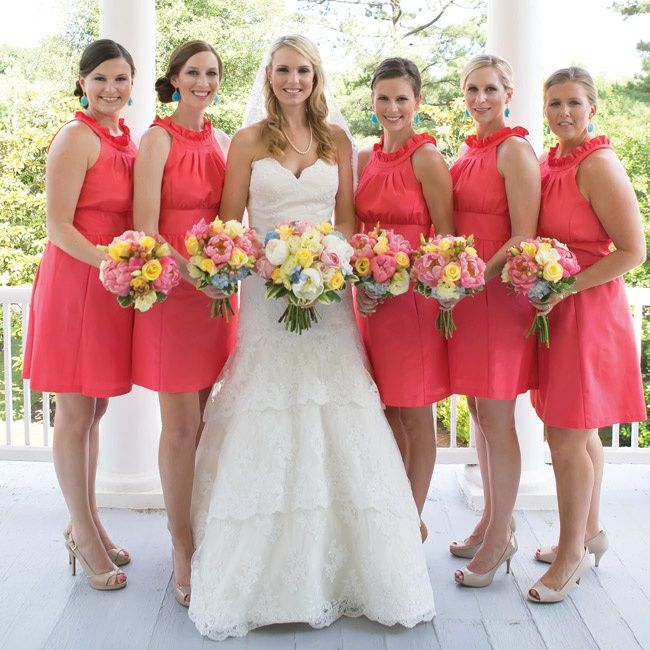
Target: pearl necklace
293,146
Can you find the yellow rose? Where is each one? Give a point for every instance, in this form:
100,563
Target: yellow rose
553,272
208,266
470,250
139,282
362,266
148,243
238,258
312,241
285,231
336,281
119,250
304,258
192,245
381,246
233,228
431,248
151,270
445,244
528,248
402,260
275,276
287,267
216,226
294,244
452,272
326,227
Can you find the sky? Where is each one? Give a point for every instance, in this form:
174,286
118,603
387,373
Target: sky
583,32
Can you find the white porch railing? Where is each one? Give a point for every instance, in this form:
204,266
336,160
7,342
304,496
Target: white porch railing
23,439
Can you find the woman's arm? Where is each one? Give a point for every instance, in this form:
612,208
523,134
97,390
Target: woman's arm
345,219
431,170
518,165
244,146
74,150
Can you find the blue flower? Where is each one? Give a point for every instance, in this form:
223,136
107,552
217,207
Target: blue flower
376,287
540,291
220,281
271,234
243,272
295,274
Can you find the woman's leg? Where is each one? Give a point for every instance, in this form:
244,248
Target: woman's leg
394,419
595,451
73,420
181,417
574,477
497,421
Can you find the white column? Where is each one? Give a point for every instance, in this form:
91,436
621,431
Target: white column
127,475
514,30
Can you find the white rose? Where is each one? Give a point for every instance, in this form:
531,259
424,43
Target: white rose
446,292
294,243
276,251
144,301
309,285
311,240
399,283
233,228
341,247
544,256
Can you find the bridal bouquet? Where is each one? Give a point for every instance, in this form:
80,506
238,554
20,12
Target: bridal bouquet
308,264
141,270
537,268
221,254
448,268
381,261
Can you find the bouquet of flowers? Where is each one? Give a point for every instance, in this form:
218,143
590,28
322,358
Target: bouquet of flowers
307,263
381,260
221,254
448,268
537,268
141,270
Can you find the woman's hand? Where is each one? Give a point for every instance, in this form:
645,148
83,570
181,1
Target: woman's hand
545,308
214,293
367,303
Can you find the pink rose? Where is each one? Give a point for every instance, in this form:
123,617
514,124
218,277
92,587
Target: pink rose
135,264
383,267
472,270
301,227
330,258
200,230
264,268
522,272
362,245
568,261
219,248
115,276
398,243
169,276
428,269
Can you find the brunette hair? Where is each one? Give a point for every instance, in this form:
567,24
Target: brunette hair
96,53
179,58
501,66
398,68
316,103
579,75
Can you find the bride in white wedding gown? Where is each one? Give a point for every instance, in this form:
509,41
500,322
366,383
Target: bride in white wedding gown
302,511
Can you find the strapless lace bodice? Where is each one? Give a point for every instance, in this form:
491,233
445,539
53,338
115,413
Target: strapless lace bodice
276,195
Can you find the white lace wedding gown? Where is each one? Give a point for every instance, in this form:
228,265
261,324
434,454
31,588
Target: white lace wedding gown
302,511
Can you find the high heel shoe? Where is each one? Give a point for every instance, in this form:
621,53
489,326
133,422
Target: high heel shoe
597,546
468,551
119,556
424,533
470,579
182,593
108,581
547,595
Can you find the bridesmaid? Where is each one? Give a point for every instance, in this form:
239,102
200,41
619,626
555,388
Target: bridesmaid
178,349
79,338
405,185
496,198
589,204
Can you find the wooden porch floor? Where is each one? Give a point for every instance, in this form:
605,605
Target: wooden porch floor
43,606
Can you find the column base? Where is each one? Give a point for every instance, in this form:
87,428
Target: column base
536,489
136,492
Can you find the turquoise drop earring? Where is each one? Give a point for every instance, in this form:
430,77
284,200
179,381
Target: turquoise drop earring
374,119
176,96
466,113
417,119
217,99
590,128
130,102
83,100
507,111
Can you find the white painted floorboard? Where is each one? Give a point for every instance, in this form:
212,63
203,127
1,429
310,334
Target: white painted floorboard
43,606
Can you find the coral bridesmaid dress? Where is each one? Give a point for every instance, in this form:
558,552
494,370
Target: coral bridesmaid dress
408,356
177,346
79,338
489,354
590,376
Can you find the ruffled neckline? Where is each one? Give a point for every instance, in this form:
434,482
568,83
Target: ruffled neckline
187,134
121,141
578,154
496,137
407,148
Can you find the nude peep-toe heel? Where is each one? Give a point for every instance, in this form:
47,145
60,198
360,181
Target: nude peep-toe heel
470,579
468,551
119,556
424,533
597,546
108,581
547,595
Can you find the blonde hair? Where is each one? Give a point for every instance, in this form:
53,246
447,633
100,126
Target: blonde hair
316,103
579,75
501,66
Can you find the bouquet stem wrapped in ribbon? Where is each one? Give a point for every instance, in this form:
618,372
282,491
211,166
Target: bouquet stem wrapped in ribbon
140,270
538,268
448,268
221,255
308,264
381,260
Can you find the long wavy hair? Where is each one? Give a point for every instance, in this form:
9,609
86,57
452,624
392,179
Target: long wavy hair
316,104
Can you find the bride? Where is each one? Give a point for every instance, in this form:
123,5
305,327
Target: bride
301,508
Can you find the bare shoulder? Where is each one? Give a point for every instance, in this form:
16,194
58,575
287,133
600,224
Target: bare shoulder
516,146
427,153
601,166
75,137
341,140
364,157
155,137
